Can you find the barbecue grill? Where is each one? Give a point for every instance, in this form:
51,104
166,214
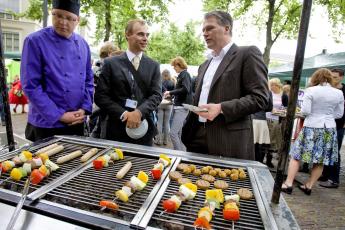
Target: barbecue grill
73,192
187,213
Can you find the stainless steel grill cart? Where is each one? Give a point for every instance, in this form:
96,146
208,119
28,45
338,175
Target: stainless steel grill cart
73,194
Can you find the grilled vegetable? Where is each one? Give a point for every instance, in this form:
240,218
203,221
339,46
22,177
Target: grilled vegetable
109,204
214,198
158,168
36,176
231,210
186,192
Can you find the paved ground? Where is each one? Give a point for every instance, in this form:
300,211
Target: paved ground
324,209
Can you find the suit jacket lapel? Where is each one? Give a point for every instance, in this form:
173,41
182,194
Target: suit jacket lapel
125,70
225,62
201,75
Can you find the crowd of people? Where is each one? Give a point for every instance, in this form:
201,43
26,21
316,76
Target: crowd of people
128,99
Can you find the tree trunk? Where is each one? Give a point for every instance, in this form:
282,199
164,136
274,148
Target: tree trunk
269,41
107,20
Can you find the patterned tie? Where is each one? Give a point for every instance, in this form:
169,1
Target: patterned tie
136,62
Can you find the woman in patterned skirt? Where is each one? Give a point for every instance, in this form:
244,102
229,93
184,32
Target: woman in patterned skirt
317,141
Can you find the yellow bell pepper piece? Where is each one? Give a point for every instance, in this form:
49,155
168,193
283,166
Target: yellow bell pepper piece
119,153
27,154
143,177
165,157
216,194
191,186
16,174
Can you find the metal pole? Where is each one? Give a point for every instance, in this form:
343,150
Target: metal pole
45,13
4,94
287,124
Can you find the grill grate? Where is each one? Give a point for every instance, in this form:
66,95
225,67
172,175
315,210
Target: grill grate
187,213
88,188
18,186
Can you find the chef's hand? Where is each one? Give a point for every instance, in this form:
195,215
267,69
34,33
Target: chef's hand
73,117
213,110
79,116
133,119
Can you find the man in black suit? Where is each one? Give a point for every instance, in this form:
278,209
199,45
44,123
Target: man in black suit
232,85
129,88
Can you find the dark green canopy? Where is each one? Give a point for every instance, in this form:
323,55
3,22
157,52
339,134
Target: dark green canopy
12,55
284,72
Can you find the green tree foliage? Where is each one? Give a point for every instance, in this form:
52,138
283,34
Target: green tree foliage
34,11
168,43
111,15
280,18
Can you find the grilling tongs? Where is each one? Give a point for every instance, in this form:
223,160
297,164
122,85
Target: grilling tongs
19,205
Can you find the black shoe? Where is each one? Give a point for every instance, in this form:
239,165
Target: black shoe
329,184
304,188
288,189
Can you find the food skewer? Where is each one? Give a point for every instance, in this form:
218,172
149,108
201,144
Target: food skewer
103,161
186,192
163,162
214,198
136,183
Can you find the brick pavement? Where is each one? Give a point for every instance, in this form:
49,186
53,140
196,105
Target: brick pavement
324,209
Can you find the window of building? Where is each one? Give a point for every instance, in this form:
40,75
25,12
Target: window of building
10,41
12,5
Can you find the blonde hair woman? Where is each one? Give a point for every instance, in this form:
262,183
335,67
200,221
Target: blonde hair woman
279,100
164,111
182,95
317,141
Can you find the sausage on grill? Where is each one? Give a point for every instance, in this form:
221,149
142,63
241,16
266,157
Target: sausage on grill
89,154
69,157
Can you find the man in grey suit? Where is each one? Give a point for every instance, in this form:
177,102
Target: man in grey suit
232,85
129,88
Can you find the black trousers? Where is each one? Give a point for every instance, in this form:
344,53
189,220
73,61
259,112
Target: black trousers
34,133
199,143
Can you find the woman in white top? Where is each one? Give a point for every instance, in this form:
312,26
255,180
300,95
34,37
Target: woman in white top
317,141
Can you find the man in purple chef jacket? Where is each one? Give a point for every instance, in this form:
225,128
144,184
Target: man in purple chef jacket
56,75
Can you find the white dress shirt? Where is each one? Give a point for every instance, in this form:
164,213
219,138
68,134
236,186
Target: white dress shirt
131,55
321,105
209,74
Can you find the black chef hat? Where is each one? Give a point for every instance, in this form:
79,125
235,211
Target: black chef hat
68,5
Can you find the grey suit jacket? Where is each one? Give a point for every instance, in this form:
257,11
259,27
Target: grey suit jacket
240,85
115,86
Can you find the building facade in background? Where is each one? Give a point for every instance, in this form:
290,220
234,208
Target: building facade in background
15,30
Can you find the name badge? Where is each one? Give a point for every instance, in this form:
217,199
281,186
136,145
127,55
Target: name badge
131,104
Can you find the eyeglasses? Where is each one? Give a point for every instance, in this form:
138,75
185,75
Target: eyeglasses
61,17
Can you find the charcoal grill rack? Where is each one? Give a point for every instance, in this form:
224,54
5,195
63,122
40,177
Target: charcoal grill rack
57,177
252,212
84,191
